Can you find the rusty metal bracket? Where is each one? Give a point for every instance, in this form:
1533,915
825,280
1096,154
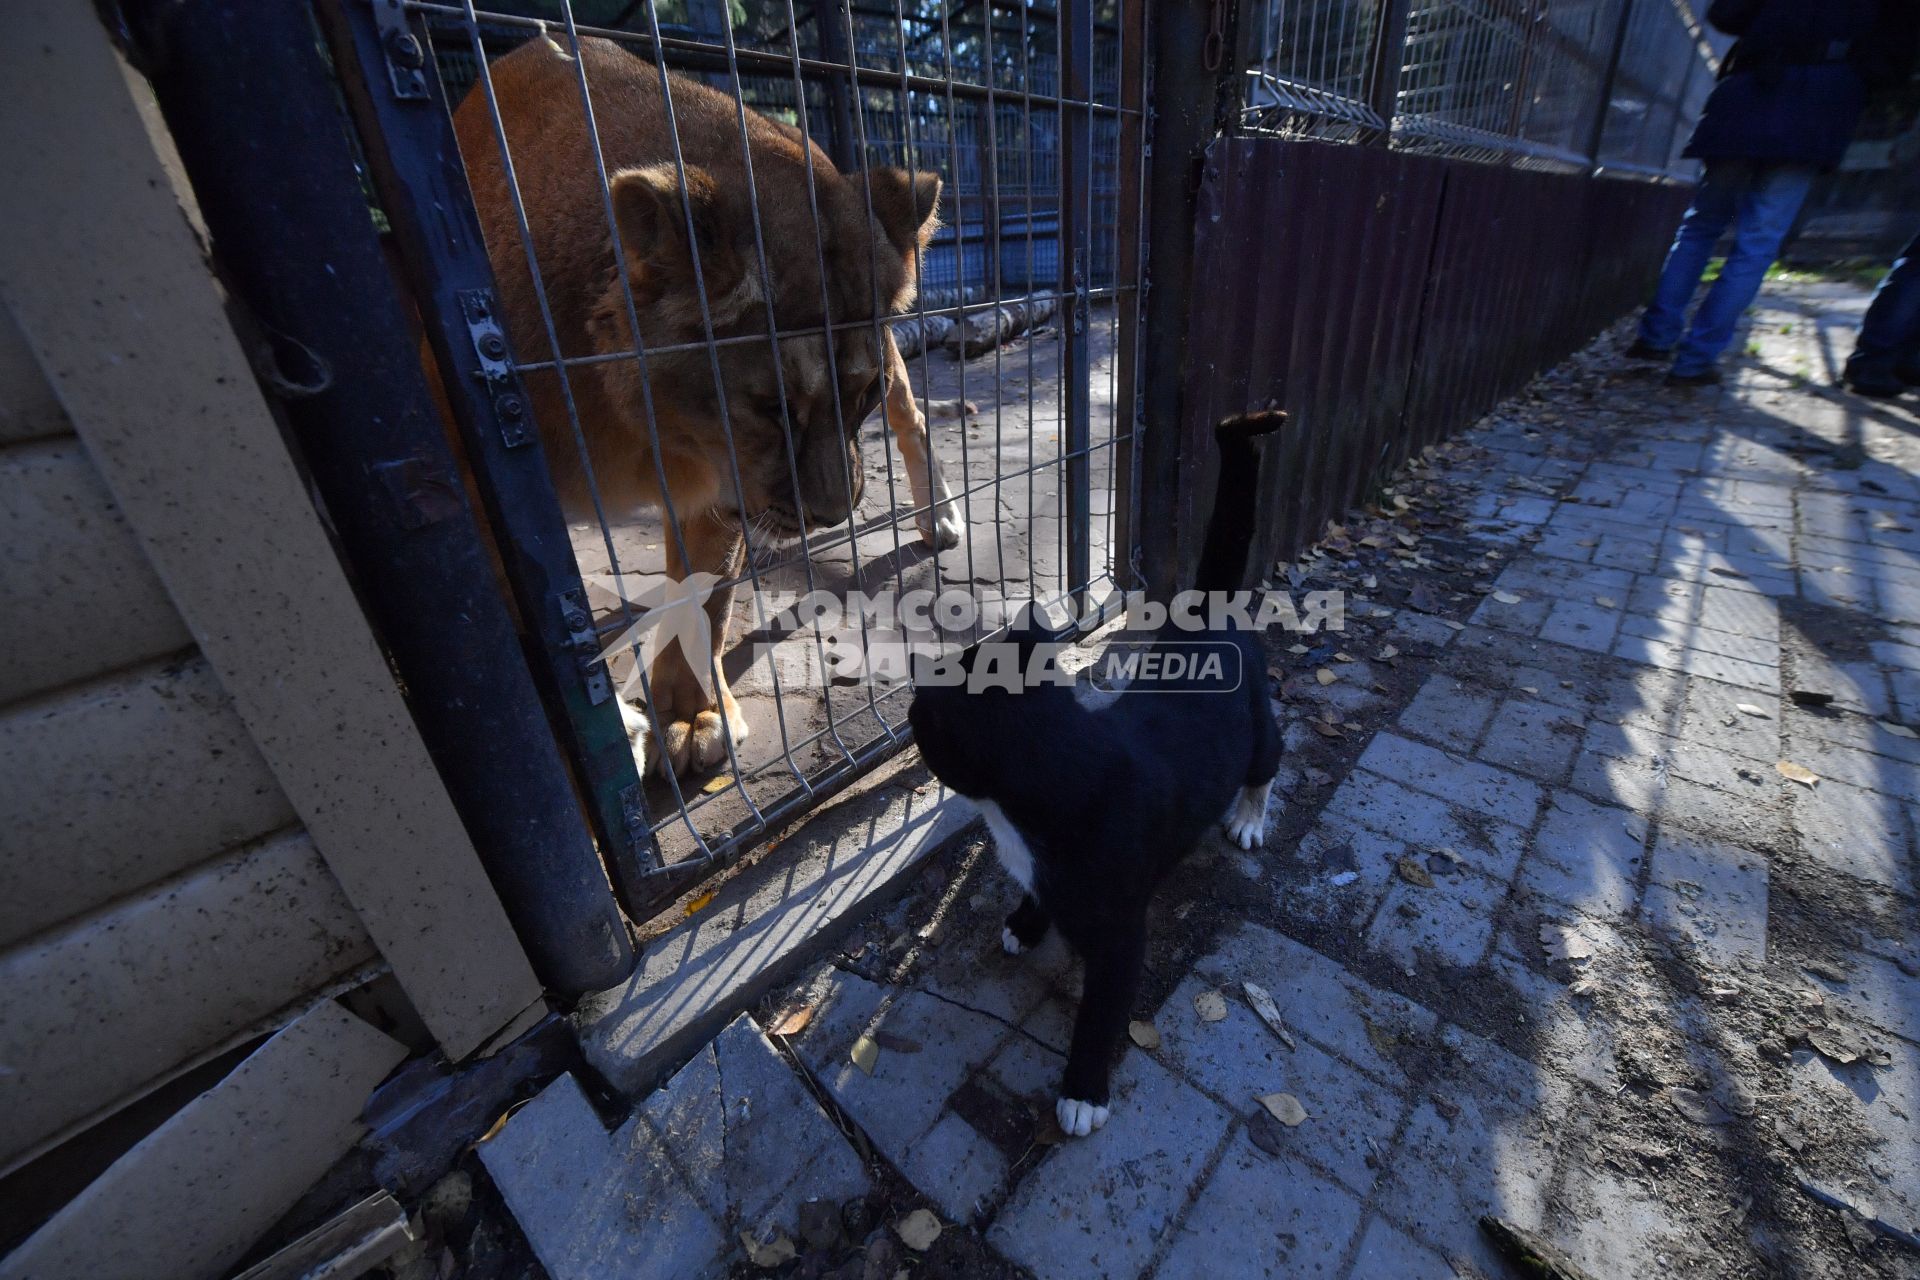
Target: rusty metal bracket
578,620
496,365
406,57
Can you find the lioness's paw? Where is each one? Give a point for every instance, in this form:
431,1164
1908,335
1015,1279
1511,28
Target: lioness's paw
943,528
698,744
1078,1119
945,410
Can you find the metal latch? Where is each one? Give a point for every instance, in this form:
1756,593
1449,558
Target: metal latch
496,365
578,620
406,56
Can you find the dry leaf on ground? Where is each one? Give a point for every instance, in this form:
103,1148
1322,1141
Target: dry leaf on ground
773,1253
718,783
1284,1107
1298,648
1606,602
794,1023
1262,1004
1833,1042
1388,653
918,1230
866,1052
1324,676
1563,943
700,903
1413,873
1797,773
1506,597
1210,1005
1144,1034
1747,708
1898,730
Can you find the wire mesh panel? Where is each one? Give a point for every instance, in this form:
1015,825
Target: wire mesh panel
1522,82
817,313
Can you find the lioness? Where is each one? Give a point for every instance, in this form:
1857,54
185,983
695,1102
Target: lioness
869,269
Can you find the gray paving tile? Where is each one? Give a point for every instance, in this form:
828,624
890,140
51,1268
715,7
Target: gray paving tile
1447,712
1448,923
1464,782
1534,738
1098,1206
1586,856
1426,822
1319,998
1879,992
1861,833
1713,717
1385,1250
1258,1216
1711,893
1238,1059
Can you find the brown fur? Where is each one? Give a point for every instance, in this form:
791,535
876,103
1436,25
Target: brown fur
869,270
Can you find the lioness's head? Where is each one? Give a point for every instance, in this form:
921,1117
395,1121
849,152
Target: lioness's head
860,265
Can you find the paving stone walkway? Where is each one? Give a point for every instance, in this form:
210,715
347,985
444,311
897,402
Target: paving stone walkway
1552,935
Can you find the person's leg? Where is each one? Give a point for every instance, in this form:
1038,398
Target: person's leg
1764,215
1890,330
1707,217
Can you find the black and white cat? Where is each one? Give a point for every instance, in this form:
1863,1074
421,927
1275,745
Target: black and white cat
1091,801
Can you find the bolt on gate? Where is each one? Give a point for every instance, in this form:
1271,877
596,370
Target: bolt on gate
665,257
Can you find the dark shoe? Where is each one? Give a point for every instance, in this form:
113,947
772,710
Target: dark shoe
1704,378
1644,350
1877,386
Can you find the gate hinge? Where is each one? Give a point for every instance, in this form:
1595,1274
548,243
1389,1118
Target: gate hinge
633,813
406,56
496,365
578,620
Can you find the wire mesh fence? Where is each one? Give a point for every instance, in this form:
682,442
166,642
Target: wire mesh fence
725,236
1553,84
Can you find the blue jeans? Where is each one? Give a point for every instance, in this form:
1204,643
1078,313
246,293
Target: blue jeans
1759,202
1890,335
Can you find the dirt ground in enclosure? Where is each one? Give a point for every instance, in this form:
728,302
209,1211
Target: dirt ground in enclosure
1001,463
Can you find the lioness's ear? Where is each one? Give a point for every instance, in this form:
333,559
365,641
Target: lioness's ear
653,224
904,204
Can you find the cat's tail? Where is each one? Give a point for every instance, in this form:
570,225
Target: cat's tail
1235,521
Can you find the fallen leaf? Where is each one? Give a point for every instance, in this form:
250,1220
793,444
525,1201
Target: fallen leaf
1606,602
1262,1004
1283,1107
1326,730
1413,873
866,1052
1701,1108
1898,730
1210,1005
773,1253
1506,597
700,903
1343,656
1747,708
1527,688
1388,653
1836,1043
1265,1133
1449,622
1422,598
1298,648
796,1022
1797,773
1144,1034
718,783
918,1230
1563,943
1325,676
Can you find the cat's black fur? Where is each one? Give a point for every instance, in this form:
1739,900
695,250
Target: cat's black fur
1107,799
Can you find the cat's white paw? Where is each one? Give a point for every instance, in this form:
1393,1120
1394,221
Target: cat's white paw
1009,943
1247,823
1078,1119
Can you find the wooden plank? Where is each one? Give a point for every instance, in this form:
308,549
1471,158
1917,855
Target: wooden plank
348,1244
28,407
194,1194
120,783
103,273
111,1005
77,592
